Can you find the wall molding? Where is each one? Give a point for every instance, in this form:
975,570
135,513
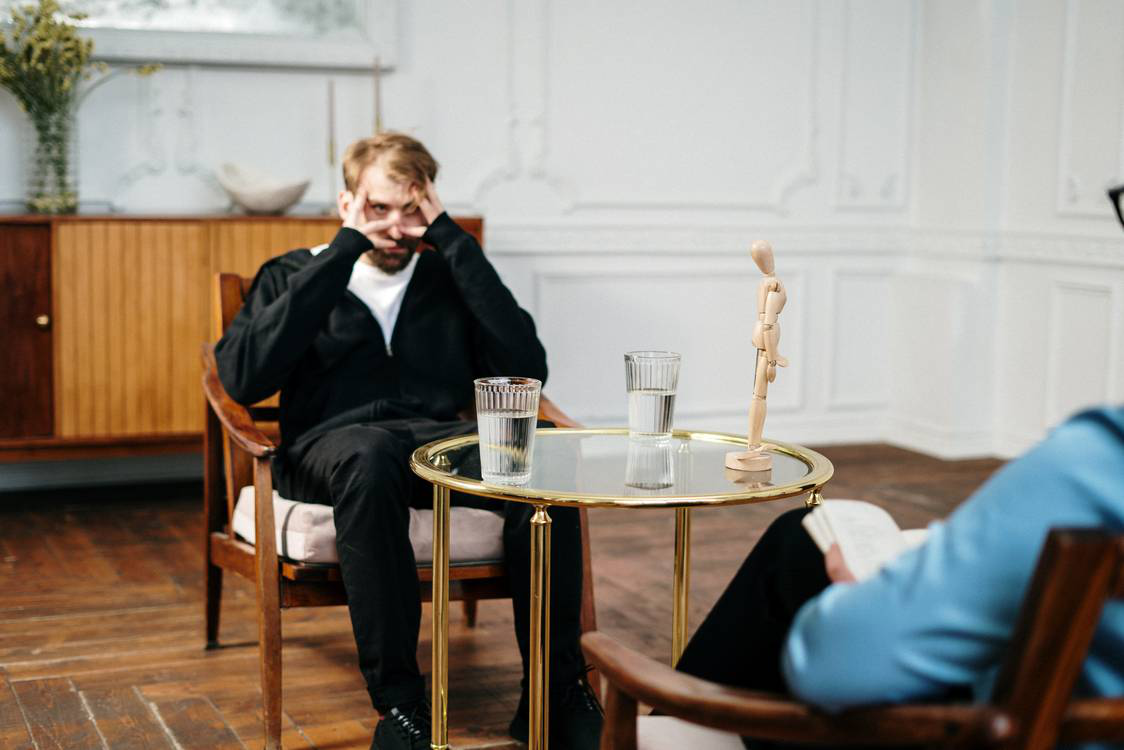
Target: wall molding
1073,198
833,399
1044,248
1009,444
541,279
961,245
150,111
802,171
893,189
1052,412
1068,190
719,407
1018,247
572,238
526,92
939,441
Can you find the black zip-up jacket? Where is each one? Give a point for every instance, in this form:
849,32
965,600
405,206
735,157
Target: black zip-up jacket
303,333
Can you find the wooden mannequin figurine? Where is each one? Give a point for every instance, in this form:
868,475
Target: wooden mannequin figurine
771,298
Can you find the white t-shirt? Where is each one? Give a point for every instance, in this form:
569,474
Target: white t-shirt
381,292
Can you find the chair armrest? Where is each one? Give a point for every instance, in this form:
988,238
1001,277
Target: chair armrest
550,412
775,717
235,418
1093,720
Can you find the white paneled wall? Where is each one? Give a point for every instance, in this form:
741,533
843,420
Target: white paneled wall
1062,348
931,173
878,73
1092,72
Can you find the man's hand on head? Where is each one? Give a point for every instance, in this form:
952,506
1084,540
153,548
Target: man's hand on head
356,219
430,206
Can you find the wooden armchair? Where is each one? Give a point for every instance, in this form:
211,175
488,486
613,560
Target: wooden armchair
1078,572
238,445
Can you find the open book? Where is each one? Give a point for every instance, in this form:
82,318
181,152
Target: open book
867,536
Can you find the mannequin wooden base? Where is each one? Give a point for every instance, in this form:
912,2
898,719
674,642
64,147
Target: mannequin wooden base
751,460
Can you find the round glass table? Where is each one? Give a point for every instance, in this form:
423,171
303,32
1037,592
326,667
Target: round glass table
594,468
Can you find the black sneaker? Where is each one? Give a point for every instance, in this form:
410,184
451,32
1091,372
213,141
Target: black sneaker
403,728
575,717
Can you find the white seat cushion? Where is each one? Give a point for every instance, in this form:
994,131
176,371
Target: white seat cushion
669,733
307,531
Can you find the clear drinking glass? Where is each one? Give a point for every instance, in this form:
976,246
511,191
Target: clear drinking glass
651,379
506,410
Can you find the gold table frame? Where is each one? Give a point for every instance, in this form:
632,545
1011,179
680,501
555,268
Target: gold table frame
430,462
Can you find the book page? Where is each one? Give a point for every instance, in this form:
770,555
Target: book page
914,537
867,536
818,529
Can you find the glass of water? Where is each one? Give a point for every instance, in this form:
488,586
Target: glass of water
506,412
651,379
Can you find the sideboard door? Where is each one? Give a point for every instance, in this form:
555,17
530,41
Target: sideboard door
25,336
132,315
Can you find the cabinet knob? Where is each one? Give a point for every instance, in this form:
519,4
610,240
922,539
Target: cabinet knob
43,321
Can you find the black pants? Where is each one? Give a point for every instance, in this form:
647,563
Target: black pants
363,471
740,641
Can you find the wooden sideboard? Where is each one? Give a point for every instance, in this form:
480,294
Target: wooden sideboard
102,318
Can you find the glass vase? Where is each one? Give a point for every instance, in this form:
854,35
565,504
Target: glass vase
52,173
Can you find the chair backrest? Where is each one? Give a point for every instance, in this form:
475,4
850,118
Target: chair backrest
227,297
1078,573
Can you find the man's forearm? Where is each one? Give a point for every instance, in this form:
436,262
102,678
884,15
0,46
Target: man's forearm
282,317
510,342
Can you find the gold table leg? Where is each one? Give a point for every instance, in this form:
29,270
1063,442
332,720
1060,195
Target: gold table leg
540,629
439,696
681,584
814,498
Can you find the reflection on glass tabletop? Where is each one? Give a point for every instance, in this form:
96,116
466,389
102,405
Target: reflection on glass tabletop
606,467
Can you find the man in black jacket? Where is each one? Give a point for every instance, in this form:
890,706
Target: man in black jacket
374,342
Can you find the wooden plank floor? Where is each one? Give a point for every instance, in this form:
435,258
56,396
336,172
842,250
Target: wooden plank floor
101,616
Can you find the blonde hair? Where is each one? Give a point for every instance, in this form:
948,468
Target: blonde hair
403,158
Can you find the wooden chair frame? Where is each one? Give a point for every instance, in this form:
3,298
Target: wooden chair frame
1078,572
238,444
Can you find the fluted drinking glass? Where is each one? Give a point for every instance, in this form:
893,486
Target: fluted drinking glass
651,378
506,411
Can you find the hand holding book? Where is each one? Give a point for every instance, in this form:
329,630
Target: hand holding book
836,566
857,538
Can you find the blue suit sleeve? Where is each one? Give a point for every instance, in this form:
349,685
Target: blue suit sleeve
940,615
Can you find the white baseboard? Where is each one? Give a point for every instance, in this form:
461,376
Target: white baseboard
1011,444
938,441
836,428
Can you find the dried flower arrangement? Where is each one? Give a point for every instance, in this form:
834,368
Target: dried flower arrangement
43,63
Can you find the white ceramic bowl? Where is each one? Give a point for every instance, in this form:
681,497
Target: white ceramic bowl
257,193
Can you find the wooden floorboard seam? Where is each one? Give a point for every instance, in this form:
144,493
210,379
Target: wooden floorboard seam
160,720
90,714
23,715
